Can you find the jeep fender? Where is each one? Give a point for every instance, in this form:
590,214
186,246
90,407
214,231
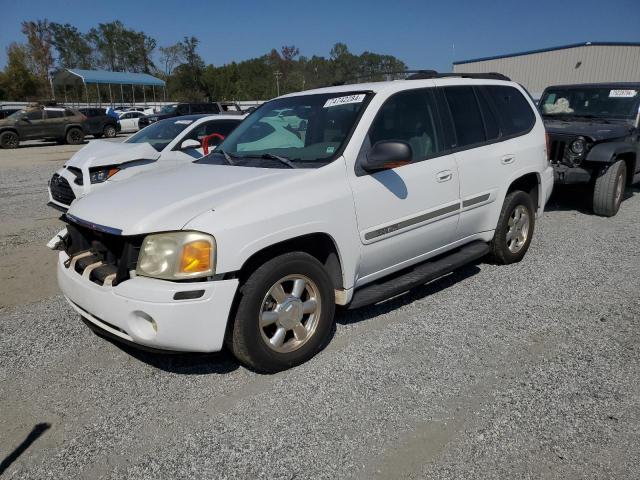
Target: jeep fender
606,152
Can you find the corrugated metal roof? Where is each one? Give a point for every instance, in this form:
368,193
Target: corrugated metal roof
105,76
550,49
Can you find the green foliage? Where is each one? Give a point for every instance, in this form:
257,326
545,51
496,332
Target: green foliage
121,49
17,82
72,46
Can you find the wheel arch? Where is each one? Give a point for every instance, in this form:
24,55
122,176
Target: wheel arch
530,183
318,244
10,129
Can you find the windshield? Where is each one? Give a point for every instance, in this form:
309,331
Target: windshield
169,109
160,134
308,128
17,114
599,102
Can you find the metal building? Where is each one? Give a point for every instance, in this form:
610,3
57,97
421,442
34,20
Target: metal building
577,63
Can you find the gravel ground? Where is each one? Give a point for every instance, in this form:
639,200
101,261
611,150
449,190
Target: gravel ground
526,371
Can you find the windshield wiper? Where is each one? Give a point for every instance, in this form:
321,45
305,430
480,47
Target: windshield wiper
227,157
271,156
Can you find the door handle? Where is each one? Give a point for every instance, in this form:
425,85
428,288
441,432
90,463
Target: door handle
444,176
508,159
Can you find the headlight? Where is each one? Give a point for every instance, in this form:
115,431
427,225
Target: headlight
578,146
177,255
101,174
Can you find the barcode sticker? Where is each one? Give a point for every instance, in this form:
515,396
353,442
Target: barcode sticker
623,93
334,102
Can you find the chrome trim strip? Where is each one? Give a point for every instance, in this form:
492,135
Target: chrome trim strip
93,226
474,200
411,221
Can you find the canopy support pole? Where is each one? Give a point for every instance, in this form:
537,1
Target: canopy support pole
153,89
110,95
133,96
86,91
65,93
164,93
144,95
121,95
99,98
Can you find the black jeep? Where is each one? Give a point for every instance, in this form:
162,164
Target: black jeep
594,138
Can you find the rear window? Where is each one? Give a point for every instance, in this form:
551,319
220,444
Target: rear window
516,115
55,113
466,116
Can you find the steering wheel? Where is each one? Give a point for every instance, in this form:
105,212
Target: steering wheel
205,141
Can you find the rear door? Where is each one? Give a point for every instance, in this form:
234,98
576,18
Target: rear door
54,122
406,213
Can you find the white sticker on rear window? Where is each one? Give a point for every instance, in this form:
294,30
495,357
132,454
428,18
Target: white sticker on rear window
183,122
623,93
334,102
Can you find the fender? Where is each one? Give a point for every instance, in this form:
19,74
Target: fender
10,129
606,152
75,125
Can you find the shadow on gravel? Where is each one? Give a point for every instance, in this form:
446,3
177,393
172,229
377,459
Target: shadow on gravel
578,198
36,432
181,363
346,317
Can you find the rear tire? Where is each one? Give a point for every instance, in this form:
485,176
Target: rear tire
109,131
9,140
515,228
609,189
277,324
74,136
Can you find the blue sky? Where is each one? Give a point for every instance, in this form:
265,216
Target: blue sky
422,33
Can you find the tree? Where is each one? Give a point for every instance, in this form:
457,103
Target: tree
171,56
39,43
17,81
121,49
72,46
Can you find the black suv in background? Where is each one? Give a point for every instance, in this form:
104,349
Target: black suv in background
65,125
100,124
179,109
594,138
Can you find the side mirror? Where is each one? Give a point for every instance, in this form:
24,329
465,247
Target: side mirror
387,154
189,143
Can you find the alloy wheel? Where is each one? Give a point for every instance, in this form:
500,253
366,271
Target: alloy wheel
518,232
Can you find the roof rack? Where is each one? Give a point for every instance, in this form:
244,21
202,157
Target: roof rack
426,74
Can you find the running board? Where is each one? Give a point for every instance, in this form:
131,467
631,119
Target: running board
418,275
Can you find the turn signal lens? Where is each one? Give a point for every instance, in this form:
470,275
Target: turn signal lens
196,257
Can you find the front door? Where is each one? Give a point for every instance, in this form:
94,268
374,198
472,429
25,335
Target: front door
406,213
32,124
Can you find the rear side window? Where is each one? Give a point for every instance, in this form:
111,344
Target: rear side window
55,113
465,112
516,115
211,108
491,124
34,115
410,117
69,113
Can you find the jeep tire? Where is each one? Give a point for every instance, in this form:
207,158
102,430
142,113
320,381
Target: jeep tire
609,189
515,228
9,140
284,313
75,136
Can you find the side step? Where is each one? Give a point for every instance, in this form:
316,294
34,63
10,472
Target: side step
418,275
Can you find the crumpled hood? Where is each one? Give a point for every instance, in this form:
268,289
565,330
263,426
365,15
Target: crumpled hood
100,152
594,130
168,199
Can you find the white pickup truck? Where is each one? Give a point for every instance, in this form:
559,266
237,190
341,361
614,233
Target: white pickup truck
359,193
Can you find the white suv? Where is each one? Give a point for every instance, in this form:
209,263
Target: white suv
357,194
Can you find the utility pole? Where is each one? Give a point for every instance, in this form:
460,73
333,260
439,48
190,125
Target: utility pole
277,74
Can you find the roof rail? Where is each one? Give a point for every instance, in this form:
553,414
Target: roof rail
426,74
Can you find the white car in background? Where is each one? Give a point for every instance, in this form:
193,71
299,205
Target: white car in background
165,144
129,121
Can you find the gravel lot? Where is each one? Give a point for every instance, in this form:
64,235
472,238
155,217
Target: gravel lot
525,371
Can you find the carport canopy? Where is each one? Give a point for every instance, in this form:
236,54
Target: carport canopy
74,76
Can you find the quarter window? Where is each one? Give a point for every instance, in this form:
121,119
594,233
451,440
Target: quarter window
466,116
55,113
515,112
410,117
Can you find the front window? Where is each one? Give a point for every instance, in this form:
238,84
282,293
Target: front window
591,102
160,134
308,129
169,109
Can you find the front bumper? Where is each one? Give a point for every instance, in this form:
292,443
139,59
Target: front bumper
547,179
567,175
143,310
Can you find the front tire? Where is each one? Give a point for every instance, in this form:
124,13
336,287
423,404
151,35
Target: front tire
284,313
9,140
515,228
609,190
74,136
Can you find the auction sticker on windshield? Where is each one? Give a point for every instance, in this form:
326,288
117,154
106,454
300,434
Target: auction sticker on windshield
183,122
623,93
334,102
